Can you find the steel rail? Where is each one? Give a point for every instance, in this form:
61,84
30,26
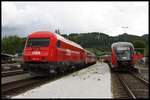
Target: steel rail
126,87
13,72
141,79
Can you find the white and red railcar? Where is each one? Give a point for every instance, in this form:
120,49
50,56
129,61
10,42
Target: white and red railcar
122,57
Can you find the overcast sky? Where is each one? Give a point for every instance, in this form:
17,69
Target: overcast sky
21,18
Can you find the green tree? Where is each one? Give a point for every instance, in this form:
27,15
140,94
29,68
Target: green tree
140,45
12,44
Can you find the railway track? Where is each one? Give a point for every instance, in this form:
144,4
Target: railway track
144,73
10,66
12,72
118,90
14,78
10,89
134,86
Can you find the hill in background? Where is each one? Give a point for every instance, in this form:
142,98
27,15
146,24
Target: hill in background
96,42
100,43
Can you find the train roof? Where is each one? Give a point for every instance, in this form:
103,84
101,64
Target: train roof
122,44
89,52
59,37
40,34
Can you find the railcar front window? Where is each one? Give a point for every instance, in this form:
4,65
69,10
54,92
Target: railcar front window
123,54
38,42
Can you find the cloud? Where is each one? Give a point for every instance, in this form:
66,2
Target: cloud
107,17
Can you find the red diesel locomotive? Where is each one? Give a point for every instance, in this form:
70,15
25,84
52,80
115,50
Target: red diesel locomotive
47,52
122,58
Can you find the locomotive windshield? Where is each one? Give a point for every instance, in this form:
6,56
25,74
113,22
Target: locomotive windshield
40,42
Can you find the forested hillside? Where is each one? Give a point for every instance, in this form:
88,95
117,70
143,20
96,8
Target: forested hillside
102,42
96,42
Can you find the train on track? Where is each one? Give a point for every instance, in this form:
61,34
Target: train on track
122,57
46,52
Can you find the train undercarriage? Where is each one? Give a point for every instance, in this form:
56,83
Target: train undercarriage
53,68
123,66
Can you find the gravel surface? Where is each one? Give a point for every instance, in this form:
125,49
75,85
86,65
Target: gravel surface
144,72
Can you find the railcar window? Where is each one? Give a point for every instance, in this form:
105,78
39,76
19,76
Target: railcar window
40,42
123,53
58,44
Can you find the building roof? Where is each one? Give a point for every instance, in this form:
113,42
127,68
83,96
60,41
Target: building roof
7,55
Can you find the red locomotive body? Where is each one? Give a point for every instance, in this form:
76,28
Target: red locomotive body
122,58
47,52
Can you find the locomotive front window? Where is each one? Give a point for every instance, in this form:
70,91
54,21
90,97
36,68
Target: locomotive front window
40,42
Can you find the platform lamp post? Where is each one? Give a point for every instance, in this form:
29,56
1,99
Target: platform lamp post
124,29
